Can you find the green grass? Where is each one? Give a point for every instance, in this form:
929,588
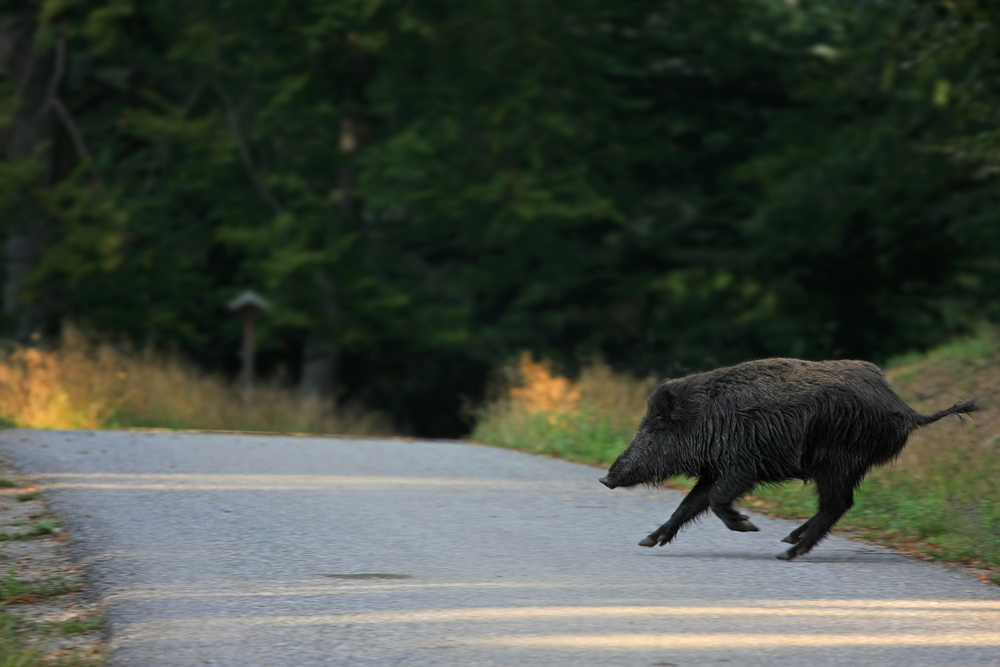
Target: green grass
75,625
38,530
936,515
25,497
43,528
965,350
13,652
7,484
586,437
13,589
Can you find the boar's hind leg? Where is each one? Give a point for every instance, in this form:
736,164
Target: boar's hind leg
694,503
793,537
721,499
834,500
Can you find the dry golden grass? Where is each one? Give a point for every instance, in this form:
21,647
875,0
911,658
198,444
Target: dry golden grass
533,387
618,397
538,390
537,410
82,384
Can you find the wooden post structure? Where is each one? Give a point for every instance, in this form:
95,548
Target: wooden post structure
250,306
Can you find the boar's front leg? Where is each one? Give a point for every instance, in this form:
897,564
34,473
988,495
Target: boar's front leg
727,491
694,503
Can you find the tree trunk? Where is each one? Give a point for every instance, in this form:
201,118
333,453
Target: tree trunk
30,135
319,367
321,355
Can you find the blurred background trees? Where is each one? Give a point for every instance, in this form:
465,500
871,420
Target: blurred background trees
423,189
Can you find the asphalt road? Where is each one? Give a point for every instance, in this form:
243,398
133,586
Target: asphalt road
260,550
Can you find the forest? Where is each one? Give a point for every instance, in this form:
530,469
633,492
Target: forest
424,189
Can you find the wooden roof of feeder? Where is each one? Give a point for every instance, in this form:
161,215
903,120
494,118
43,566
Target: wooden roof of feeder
249,303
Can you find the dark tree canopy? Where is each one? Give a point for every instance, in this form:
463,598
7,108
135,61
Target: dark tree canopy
422,189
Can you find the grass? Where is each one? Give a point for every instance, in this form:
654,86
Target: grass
13,652
941,498
25,497
43,528
75,625
591,420
39,530
7,484
14,590
87,384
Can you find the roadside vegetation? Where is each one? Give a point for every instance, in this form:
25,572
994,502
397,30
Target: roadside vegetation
940,499
23,641
87,384
46,616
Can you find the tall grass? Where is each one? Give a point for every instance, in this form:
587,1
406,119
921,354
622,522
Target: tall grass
941,497
535,410
88,384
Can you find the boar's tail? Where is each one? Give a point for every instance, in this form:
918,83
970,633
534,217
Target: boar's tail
962,408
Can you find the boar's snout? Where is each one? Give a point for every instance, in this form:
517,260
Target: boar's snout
636,465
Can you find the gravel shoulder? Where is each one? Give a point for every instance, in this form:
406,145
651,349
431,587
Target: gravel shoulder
44,590
233,549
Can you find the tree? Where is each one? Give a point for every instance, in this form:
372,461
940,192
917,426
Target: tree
424,189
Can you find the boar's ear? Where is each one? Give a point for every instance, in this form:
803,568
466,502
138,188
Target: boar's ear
662,399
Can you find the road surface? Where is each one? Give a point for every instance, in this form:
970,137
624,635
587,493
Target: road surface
249,550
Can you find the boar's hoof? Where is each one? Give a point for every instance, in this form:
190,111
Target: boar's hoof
791,538
787,555
648,541
744,526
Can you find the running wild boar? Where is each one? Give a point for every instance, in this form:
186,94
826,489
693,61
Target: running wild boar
764,422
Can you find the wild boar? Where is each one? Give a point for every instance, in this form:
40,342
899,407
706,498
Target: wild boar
764,422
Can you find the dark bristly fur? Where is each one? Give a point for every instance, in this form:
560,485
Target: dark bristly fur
764,422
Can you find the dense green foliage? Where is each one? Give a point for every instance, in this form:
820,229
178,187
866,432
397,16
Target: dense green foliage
428,187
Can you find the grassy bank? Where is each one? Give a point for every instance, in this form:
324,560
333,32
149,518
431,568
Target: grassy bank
941,498
86,384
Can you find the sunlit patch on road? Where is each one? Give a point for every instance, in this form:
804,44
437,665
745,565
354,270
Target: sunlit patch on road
195,482
787,624
635,641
